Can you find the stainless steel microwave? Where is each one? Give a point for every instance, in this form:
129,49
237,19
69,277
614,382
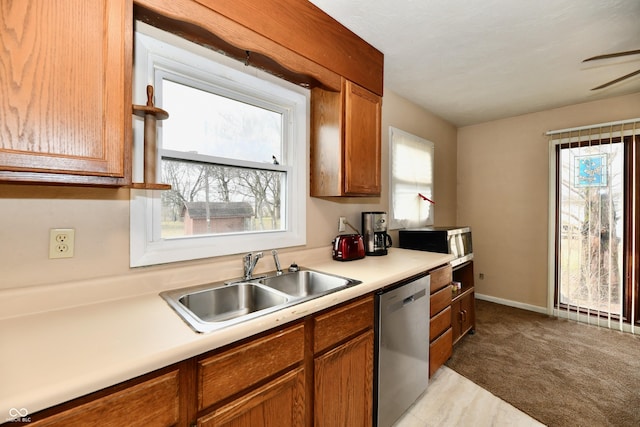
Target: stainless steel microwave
446,240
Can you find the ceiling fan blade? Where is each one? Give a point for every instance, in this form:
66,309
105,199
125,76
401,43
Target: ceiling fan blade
613,55
619,79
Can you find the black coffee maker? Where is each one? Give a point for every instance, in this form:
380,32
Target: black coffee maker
374,230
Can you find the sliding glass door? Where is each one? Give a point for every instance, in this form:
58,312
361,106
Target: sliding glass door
591,211
596,228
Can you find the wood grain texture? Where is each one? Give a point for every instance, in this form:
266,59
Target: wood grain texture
326,154
341,323
345,142
155,402
463,315
440,300
440,277
344,384
362,141
440,351
65,90
279,403
439,323
301,27
204,25
225,374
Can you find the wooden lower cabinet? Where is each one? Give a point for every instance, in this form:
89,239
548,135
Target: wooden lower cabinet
318,370
343,387
463,315
463,304
279,403
343,342
257,383
155,401
225,374
440,330
440,350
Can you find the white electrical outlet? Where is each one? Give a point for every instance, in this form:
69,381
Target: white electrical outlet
61,242
342,224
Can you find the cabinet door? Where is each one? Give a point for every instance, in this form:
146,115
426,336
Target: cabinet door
65,91
456,320
362,142
467,309
463,317
279,403
344,384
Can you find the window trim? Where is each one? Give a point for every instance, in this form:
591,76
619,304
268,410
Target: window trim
158,50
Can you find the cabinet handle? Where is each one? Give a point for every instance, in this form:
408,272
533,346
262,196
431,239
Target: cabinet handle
464,315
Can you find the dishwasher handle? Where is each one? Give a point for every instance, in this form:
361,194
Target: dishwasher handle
404,303
408,300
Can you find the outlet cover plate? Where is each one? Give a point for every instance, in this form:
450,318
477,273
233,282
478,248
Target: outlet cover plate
61,243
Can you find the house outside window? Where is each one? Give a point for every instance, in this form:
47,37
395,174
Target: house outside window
233,151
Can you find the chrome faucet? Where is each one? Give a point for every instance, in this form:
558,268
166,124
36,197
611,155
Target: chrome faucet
277,262
249,261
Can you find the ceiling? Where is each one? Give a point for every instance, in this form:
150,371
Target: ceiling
472,62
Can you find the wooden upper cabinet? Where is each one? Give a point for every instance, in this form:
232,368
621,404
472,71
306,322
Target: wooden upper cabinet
362,142
345,142
65,91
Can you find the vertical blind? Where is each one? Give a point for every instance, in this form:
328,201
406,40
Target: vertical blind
593,215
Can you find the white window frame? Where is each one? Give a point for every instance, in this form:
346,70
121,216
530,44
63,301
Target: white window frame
158,52
397,220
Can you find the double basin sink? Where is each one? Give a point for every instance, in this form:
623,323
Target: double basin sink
214,306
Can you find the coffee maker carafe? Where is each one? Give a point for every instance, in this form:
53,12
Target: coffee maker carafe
374,229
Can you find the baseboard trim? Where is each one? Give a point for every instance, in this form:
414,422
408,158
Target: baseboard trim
511,303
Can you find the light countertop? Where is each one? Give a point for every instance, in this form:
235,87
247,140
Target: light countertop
56,353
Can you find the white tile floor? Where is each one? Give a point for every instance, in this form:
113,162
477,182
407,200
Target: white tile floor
452,400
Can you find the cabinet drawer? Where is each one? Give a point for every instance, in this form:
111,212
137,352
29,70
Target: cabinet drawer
338,324
440,277
232,371
152,402
440,351
439,323
440,300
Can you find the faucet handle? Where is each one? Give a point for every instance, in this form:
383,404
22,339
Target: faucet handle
277,262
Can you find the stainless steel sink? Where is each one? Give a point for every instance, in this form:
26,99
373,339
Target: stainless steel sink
211,307
306,283
214,306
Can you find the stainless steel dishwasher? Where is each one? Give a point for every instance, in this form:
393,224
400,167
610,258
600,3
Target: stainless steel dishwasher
402,348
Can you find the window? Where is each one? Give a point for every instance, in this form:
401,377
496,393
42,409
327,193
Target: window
411,159
233,151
